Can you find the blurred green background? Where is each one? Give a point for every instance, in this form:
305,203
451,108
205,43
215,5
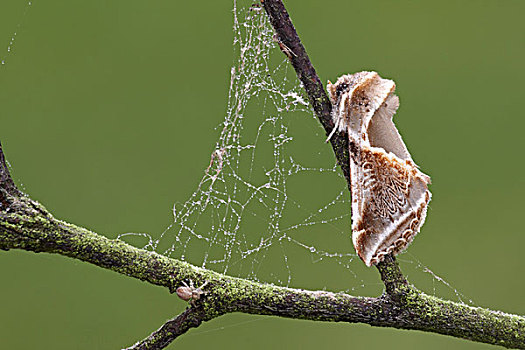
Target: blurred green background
102,119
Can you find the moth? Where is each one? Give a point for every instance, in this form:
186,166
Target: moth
389,193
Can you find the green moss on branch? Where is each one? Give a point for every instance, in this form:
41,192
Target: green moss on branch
27,225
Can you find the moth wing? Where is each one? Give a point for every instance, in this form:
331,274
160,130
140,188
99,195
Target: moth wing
389,194
390,198
383,133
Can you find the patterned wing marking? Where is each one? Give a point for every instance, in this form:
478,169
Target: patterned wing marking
390,201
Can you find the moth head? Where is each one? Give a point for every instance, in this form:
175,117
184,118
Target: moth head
352,96
347,83
339,88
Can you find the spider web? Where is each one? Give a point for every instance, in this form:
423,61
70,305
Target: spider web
272,205
8,51
242,219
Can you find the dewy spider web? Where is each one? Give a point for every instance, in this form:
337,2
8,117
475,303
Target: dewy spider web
251,216
272,206
3,58
241,220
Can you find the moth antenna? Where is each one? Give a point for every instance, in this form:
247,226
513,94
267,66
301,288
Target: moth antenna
332,133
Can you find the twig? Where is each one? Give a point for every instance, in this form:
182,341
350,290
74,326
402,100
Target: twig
162,337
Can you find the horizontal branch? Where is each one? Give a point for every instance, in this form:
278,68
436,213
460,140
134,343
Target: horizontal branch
26,224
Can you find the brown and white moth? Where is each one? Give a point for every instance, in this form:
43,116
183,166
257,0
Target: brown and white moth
389,193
